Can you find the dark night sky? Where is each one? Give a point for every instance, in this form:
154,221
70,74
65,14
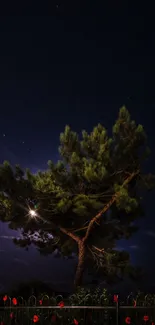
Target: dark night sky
71,63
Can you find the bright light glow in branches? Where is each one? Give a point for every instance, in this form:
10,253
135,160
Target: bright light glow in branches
32,213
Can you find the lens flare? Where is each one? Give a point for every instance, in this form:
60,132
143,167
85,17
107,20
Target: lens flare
32,213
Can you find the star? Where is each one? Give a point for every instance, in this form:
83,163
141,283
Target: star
3,135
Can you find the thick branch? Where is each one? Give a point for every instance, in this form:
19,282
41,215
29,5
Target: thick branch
98,216
70,234
106,207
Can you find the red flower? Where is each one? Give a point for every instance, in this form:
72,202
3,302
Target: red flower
61,304
146,318
35,318
11,315
128,320
53,318
40,302
5,298
115,298
152,323
134,303
14,301
75,322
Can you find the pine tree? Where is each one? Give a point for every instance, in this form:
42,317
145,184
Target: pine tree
85,202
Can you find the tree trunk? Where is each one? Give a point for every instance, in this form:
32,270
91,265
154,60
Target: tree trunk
81,264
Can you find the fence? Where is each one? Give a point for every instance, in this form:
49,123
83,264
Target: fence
54,311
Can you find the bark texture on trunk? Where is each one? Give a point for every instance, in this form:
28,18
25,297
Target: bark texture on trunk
81,264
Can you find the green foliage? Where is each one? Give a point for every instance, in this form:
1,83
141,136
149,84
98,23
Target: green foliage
92,169
87,297
124,201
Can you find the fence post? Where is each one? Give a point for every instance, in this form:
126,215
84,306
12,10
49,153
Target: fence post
117,311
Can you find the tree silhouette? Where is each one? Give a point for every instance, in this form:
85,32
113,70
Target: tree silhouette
86,201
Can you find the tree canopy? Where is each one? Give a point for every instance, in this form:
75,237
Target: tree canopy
92,195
